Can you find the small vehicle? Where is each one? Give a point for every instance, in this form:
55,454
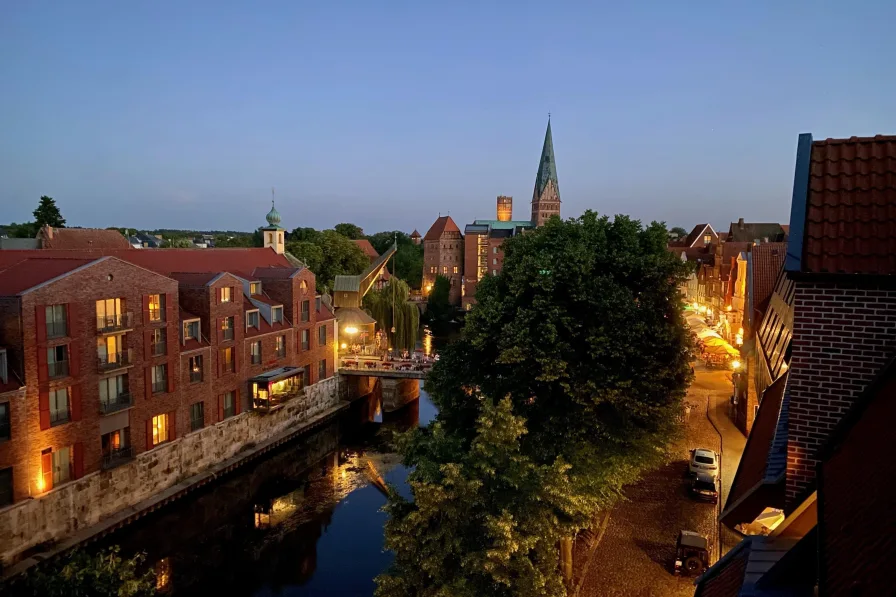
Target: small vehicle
704,488
704,461
691,554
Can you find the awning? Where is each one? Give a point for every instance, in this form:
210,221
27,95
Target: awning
353,316
277,374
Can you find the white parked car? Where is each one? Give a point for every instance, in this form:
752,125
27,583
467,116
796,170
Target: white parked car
704,461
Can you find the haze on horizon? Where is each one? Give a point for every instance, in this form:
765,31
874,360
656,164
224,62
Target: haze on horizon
184,115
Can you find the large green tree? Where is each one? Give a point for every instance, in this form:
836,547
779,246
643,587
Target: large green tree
349,231
438,303
328,254
47,213
407,263
393,298
304,234
582,333
308,252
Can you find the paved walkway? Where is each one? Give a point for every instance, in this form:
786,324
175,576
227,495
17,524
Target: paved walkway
635,556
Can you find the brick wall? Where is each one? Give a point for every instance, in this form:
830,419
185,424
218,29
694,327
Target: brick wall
444,255
843,334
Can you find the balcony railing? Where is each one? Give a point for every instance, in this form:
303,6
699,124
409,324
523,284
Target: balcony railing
57,329
59,417
114,323
116,403
114,360
159,386
158,349
228,334
116,457
57,369
195,376
156,315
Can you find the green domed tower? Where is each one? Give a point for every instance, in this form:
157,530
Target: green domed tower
274,235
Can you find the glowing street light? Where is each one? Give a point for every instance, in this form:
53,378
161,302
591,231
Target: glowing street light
735,364
351,330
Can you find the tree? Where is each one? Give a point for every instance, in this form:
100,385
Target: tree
582,333
340,257
393,297
178,243
230,240
438,305
305,234
349,231
23,230
47,214
103,574
308,252
407,263
678,232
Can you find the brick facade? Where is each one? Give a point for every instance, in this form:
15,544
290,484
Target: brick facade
842,336
443,255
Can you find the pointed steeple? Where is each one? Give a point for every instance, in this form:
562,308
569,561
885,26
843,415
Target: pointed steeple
547,167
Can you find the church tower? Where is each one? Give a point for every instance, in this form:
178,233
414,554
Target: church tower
546,197
273,234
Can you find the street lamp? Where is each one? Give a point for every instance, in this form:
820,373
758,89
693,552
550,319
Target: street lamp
735,364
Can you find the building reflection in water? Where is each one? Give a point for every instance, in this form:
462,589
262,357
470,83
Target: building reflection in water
261,527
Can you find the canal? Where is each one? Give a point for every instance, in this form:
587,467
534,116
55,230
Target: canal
306,521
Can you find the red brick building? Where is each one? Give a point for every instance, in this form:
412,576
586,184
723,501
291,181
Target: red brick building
443,255
108,353
817,462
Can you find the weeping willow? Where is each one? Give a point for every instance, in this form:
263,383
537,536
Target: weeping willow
407,317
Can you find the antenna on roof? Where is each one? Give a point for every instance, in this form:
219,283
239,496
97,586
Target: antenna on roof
272,196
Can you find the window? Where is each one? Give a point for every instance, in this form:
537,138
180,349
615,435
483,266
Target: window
303,285
444,269
114,393
159,378
5,432
317,304
158,342
61,463
156,307
322,335
495,250
191,330
160,430
197,415
116,446
305,340
281,346
225,296
495,261
57,361
455,269
306,308
59,406
255,352
494,272
252,319
433,269
277,315
108,314
254,287
227,328
322,370
228,405
57,326
111,351
227,364
5,487
707,238
4,372
196,368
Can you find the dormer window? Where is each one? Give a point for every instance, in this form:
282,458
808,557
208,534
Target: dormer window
276,314
252,319
191,330
254,287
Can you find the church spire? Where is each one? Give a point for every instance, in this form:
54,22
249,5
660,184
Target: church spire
546,197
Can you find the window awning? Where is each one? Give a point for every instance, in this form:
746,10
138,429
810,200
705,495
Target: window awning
277,374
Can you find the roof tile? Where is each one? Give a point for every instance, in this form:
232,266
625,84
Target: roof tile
442,225
768,259
28,273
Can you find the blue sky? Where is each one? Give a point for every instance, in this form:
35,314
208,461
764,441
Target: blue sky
184,114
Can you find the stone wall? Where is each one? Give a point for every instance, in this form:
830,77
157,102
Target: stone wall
75,506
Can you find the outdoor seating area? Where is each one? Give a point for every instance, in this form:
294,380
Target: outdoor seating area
272,389
389,361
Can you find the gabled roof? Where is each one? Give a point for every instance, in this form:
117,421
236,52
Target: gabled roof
547,166
844,206
767,261
366,247
27,274
697,234
442,225
415,234
82,238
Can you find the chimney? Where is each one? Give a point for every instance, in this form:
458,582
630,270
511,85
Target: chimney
49,233
740,223
505,208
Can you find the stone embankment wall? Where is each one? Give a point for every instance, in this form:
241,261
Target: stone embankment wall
78,505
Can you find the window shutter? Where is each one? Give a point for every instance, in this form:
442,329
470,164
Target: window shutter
220,407
40,322
74,359
172,378
172,425
75,397
43,372
147,344
148,382
71,320
43,404
146,309
149,433
78,460
46,469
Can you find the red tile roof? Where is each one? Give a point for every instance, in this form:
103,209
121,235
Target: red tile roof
415,234
28,273
368,249
82,238
442,225
851,207
273,273
768,259
194,278
697,235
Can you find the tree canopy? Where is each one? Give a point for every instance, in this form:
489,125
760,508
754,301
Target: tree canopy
349,231
438,303
47,213
678,232
379,303
407,263
328,255
564,387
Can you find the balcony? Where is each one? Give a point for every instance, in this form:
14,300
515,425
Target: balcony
113,324
116,403
114,360
57,329
57,369
117,457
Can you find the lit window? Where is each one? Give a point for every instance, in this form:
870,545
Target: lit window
277,314
227,328
252,319
158,339
494,272
255,288
280,346
444,269
227,360
455,269
160,432
156,307
707,239
196,368
59,406
225,294
495,261
495,250
191,330
303,285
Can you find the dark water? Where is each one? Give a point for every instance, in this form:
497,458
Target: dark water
304,521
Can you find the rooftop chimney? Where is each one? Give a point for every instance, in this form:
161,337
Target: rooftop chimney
740,223
505,208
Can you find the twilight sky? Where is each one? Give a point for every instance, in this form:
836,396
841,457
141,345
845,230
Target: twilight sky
183,114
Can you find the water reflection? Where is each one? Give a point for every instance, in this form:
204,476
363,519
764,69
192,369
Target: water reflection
304,521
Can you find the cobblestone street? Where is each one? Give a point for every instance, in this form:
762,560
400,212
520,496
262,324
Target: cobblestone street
636,554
